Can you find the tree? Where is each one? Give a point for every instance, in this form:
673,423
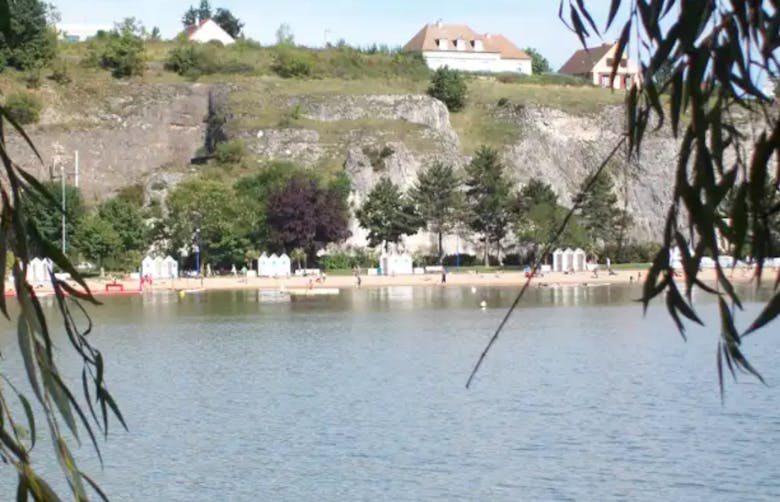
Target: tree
190,17
539,63
487,196
438,199
30,41
228,22
213,209
155,35
536,214
387,214
46,213
54,397
122,50
98,239
204,10
284,35
305,215
449,86
598,209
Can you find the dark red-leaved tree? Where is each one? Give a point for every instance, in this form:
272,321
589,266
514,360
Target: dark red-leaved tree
305,215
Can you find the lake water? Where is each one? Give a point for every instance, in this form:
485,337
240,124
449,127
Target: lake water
361,397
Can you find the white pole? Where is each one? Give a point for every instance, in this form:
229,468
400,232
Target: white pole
76,181
64,231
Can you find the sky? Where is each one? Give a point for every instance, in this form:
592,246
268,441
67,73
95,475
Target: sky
528,23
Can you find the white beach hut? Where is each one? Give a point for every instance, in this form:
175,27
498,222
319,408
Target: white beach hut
396,263
580,259
147,267
283,267
568,260
262,266
171,268
159,268
558,260
38,271
273,264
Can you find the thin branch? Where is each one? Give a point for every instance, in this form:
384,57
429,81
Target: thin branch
541,256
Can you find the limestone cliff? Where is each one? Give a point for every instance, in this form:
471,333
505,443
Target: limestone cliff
148,134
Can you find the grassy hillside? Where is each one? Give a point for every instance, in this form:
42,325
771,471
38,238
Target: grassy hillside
262,99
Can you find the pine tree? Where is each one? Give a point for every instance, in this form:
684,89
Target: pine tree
437,199
599,212
488,196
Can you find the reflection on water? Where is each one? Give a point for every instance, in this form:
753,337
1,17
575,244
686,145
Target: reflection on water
360,396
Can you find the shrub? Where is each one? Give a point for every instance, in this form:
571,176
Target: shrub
230,152
60,73
120,51
465,260
449,86
630,252
289,63
23,107
32,78
361,257
503,102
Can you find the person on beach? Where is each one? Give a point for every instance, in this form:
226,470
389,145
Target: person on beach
443,276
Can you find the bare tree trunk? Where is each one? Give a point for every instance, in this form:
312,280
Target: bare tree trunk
487,251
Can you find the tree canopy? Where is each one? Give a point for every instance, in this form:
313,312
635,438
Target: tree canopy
387,214
487,195
449,86
30,41
539,63
438,199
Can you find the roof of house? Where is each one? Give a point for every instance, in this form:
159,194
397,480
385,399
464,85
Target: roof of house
189,30
426,40
583,61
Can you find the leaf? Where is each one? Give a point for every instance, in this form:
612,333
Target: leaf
4,241
4,114
40,189
95,487
23,487
53,252
676,101
25,347
584,11
719,357
579,28
613,9
618,55
71,470
767,315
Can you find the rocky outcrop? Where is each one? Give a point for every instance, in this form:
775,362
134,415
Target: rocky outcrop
148,134
122,141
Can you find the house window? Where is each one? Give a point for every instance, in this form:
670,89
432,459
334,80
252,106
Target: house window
604,80
460,45
442,44
477,45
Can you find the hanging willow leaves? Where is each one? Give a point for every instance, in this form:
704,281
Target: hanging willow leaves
55,398
716,51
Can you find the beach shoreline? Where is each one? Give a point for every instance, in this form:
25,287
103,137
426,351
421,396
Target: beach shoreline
498,279
514,279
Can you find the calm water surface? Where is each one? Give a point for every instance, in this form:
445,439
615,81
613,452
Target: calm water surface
361,397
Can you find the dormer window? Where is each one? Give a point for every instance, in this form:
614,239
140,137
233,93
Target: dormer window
460,44
441,43
477,45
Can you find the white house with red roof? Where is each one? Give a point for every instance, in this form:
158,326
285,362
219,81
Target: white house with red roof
207,31
461,48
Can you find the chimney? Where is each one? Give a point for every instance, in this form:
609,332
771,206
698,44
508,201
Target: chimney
439,24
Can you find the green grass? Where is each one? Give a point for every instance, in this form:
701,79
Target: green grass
631,266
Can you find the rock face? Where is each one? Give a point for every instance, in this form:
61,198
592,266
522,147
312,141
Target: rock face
144,130
148,135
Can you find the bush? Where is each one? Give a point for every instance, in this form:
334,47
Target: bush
230,152
465,260
449,86
60,73
32,78
363,258
122,52
23,107
289,63
630,252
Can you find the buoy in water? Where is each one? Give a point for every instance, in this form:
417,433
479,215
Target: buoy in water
473,289
483,305
181,293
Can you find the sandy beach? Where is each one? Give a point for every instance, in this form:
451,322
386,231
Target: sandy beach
514,279
492,279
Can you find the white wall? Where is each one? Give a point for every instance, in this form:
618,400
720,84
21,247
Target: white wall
476,62
211,31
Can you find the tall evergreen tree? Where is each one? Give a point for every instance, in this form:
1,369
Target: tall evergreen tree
204,10
190,17
487,196
438,199
599,212
387,214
